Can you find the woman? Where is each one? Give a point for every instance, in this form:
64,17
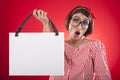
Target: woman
84,59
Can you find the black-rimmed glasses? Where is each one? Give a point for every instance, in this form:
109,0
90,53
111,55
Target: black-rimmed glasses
76,21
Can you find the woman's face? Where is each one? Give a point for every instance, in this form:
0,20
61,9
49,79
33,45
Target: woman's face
78,26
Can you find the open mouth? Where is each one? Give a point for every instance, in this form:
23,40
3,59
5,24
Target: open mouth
77,33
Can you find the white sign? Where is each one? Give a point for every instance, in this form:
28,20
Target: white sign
36,54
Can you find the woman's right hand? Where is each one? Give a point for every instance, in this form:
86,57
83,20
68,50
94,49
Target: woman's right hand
42,17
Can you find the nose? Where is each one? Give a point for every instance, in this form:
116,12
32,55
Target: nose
79,26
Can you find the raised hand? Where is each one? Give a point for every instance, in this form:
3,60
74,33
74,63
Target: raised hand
41,15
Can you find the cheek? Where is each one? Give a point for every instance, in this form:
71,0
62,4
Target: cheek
71,29
85,29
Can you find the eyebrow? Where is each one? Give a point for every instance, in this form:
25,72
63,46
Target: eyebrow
83,19
86,19
80,18
76,16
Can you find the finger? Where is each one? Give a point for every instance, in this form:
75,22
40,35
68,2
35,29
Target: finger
39,13
34,12
42,14
45,15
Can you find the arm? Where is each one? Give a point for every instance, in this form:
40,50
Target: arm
100,63
42,17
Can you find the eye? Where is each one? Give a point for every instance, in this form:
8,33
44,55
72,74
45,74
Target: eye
76,20
85,22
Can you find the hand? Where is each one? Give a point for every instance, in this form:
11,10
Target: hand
42,17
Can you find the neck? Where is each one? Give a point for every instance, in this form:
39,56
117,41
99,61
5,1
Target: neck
75,41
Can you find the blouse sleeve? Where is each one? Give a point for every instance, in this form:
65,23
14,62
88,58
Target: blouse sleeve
100,62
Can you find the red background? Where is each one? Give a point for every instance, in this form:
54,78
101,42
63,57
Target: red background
106,28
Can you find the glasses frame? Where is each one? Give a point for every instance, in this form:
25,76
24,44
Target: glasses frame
81,22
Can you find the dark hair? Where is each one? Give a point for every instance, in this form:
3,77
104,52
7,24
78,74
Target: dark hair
85,11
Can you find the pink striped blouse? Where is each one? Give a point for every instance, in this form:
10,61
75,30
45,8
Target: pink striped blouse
86,62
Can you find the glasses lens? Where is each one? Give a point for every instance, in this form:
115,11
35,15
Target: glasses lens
75,21
85,23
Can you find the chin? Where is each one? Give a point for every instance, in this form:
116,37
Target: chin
76,37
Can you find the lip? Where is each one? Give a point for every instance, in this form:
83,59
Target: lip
77,33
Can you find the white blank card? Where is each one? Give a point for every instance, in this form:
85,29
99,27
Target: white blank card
36,54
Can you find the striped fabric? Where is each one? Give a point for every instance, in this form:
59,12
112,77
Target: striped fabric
87,62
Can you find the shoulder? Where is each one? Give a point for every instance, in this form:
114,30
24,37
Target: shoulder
96,44
97,48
